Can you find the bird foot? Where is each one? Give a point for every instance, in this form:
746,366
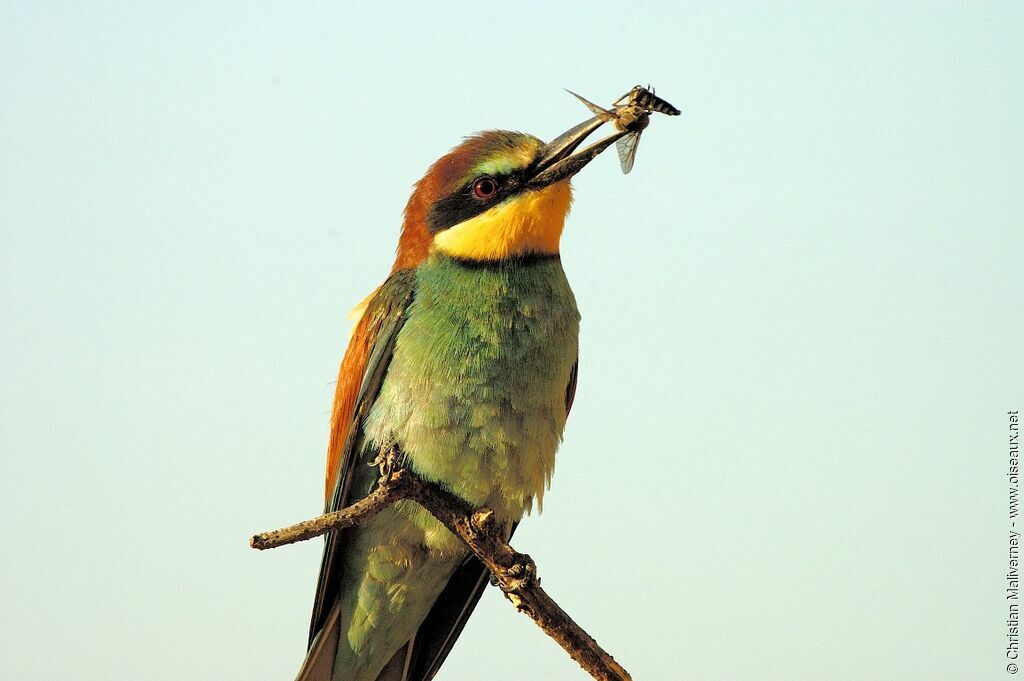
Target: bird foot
387,461
520,574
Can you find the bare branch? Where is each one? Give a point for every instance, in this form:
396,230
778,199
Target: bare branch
393,487
515,573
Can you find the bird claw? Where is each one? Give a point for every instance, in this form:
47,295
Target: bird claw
520,574
386,461
516,578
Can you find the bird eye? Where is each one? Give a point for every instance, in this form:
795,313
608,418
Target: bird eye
485,188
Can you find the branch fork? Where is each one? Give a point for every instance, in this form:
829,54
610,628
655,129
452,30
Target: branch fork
513,572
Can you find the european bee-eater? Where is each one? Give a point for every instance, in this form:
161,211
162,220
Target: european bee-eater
465,358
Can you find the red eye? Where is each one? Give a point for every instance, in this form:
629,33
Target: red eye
485,188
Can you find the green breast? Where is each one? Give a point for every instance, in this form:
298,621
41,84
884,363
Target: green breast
475,393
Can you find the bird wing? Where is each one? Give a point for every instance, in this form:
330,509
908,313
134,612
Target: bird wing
359,379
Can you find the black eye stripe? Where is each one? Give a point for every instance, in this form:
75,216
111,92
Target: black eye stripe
464,204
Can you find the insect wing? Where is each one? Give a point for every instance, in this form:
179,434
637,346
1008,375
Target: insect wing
601,112
626,146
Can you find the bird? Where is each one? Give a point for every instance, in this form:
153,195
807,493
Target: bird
465,361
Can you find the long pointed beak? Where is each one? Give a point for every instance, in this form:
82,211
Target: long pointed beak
558,162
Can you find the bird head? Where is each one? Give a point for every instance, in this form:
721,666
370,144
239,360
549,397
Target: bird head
496,196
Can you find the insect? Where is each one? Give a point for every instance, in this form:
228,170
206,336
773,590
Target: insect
644,97
630,113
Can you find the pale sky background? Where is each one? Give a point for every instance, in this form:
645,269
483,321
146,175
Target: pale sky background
801,325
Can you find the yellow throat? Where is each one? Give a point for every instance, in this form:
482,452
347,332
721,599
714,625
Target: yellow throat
527,223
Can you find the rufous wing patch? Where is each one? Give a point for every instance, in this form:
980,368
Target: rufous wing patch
350,376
